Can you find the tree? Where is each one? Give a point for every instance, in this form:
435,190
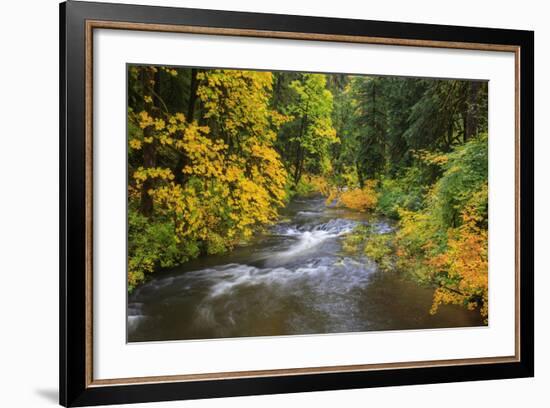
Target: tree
450,112
311,109
371,118
213,181
237,105
343,154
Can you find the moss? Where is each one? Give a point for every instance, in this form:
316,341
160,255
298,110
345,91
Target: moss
377,246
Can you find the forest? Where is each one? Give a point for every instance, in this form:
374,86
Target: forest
215,155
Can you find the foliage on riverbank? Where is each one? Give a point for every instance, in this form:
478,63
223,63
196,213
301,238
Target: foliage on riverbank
194,193
442,240
446,242
377,246
359,198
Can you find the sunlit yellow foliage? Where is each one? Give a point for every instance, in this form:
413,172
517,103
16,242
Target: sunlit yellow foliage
379,248
360,199
232,181
436,158
320,183
239,102
445,244
135,144
145,120
415,232
159,124
141,174
349,177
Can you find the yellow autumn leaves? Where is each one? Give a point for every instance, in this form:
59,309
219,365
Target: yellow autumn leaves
360,199
232,182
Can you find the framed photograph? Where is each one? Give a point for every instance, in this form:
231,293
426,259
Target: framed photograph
256,204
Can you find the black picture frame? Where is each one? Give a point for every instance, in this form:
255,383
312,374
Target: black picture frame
75,386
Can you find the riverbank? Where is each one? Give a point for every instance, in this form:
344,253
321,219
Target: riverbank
296,278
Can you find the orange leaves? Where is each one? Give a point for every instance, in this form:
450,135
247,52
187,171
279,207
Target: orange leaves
466,264
465,259
456,260
360,199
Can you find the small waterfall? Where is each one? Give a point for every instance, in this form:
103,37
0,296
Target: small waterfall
310,236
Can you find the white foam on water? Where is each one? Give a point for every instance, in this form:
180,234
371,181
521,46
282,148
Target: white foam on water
134,321
318,234
346,271
306,241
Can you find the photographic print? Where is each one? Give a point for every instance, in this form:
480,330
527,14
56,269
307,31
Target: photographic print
295,198
287,203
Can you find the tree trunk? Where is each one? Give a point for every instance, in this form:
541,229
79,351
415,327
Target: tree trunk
183,160
359,175
449,139
192,96
300,153
472,120
297,169
149,80
149,159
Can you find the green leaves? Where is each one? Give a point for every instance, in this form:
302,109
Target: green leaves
465,174
311,109
151,245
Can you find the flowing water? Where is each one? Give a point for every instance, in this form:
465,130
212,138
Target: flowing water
294,279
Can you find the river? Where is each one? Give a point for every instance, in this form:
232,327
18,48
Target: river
293,279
